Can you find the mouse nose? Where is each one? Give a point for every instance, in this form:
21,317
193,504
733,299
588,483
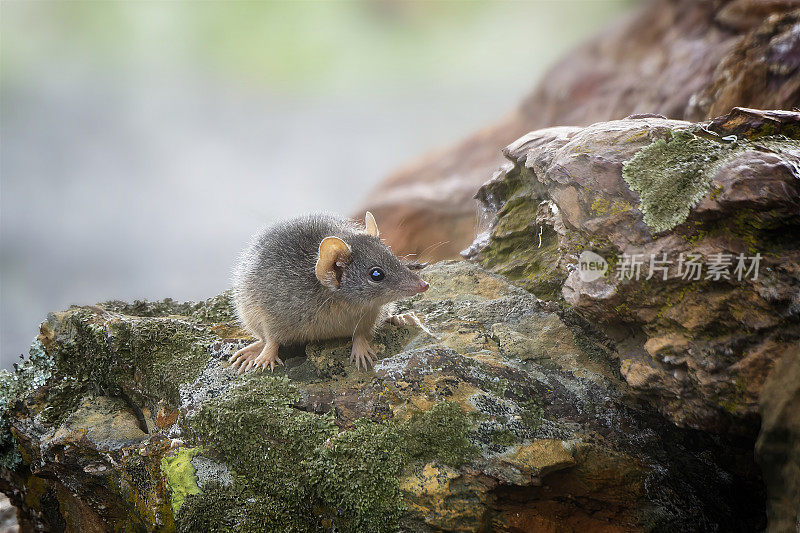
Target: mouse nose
422,286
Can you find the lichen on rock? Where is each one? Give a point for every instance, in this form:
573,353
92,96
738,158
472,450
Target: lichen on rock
673,174
180,474
28,374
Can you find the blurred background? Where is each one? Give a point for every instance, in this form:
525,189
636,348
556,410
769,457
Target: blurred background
142,143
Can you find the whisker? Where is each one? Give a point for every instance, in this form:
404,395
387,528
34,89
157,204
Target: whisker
402,222
433,246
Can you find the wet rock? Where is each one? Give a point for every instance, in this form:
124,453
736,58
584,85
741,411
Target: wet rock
682,59
653,200
507,413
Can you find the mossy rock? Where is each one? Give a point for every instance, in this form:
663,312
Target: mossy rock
644,192
142,418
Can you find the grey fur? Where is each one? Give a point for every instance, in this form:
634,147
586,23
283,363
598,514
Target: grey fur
279,297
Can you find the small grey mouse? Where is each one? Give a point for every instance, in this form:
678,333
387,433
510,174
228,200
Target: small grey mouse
318,277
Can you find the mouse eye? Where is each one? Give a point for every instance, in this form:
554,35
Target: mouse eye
376,274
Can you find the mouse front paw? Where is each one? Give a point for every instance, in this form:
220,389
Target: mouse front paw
362,353
258,355
404,319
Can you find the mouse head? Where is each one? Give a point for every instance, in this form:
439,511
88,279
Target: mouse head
360,268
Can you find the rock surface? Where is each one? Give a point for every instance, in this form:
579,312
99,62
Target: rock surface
699,345
778,445
685,59
650,229
508,414
8,516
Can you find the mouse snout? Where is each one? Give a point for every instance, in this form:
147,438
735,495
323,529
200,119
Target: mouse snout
422,286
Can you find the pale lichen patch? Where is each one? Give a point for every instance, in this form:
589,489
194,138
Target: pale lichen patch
672,175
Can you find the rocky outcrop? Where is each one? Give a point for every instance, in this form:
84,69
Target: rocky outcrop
507,413
685,59
658,201
679,242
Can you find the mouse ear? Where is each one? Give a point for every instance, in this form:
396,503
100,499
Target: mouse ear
332,256
371,225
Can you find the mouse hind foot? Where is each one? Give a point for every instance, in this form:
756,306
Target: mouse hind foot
258,355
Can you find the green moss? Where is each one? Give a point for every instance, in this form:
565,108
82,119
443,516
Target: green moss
162,353
515,250
532,413
756,230
83,351
294,470
219,509
180,476
216,310
519,257
517,214
780,143
696,232
504,437
439,434
356,476
768,232
59,400
270,448
149,356
144,308
498,386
